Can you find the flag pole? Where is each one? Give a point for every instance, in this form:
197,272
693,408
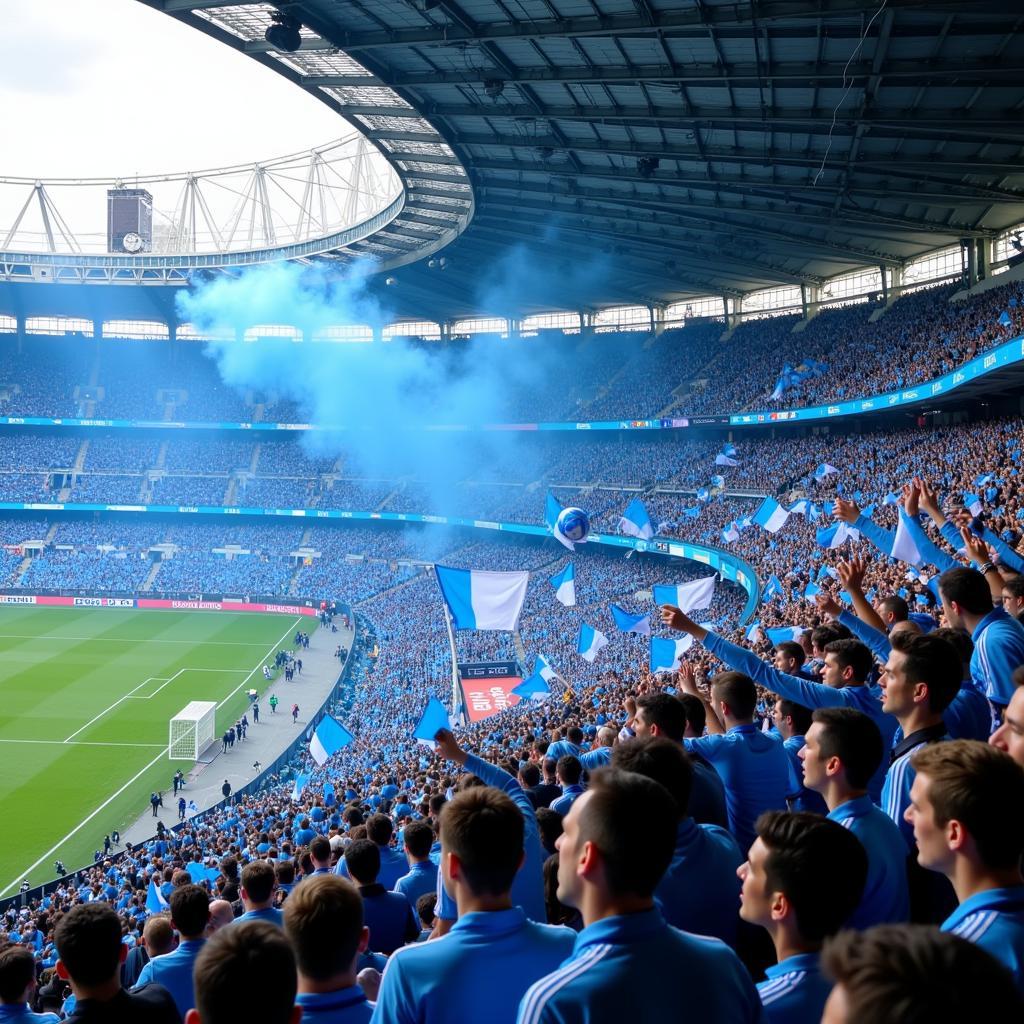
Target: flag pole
456,689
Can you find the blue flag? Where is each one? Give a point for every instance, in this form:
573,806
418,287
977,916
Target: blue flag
155,902
329,737
635,522
301,781
433,719
628,623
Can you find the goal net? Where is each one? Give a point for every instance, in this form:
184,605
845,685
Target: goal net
192,730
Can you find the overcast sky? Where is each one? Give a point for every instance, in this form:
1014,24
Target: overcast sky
114,88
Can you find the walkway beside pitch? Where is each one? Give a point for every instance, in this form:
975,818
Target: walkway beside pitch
263,743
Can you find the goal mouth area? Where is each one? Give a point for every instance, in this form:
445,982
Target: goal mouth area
192,730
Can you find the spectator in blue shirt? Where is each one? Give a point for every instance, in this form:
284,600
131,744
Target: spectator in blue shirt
17,984
493,953
998,637
569,771
246,974
190,914
388,915
895,973
259,883
323,920
803,878
628,963
601,755
966,814
842,751
320,852
422,876
393,865
700,891
570,746
157,939
792,722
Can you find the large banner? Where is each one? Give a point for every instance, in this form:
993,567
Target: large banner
221,605
487,687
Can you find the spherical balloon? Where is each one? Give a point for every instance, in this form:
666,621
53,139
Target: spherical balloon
573,524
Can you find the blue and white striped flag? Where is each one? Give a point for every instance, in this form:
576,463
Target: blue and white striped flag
629,623
589,642
754,634
823,471
301,781
731,533
772,588
635,522
836,536
782,634
904,546
666,654
690,597
533,688
725,460
155,902
330,737
564,583
482,600
771,516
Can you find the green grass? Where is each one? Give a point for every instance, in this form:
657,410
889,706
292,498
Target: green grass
71,737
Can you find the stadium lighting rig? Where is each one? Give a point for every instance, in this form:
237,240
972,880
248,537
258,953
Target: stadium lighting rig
284,34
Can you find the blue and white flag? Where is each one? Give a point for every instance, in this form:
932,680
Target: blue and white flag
564,583
731,533
799,508
301,781
552,510
434,718
542,667
626,622
533,688
754,633
892,498
155,902
729,449
478,599
330,737
810,590
703,494
771,516
904,547
823,471
836,536
1004,319
725,460
690,597
667,655
972,503
589,641
692,513
772,588
635,522
982,479
718,480
782,634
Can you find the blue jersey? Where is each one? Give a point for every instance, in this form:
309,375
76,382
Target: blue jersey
998,650
795,990
700,891
479,970
174,972
810,695
886,896
799,796
994,920
969,716
755,771
596,758
570,794
346,1006
421,879
636,967
900,777
269,914
21,1014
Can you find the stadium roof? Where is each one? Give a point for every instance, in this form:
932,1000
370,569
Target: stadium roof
691,146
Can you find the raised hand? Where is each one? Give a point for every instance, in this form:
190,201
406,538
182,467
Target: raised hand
847,511
827,604
852,572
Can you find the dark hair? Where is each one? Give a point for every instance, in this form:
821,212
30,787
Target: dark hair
425,907
570,769
190,910
574,734
854,738
363,859
895,606
258,880
319,849
797,713
852,654
285,872
17,969
696,713
1015,585
624,817
959,638
549,823
664,711
419,837
225,970
660,759
914,974
530,774
88,939
822,636
323,919
379,829
736,690
485,830
932,661
974,783
820,866
791,649
967,588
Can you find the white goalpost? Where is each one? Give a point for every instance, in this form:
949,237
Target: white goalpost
193,729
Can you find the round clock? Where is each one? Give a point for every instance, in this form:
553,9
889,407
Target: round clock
132,242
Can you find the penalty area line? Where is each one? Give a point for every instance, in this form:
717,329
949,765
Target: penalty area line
163,753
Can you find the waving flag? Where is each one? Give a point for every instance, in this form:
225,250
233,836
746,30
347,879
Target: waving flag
155,902
533,688
564,583
729,449
552,510
589,642
784,633
482,600
725,460
330,737
690,597
1004,319
692,513
301,781
434,718
718,480
635,522
628,623
972,503
771,516
836,536
703,494
904,546
772,587
810,590
667,655
754,634
731,533
823,471
799,508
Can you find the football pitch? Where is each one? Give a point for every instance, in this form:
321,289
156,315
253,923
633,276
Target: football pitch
86,695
